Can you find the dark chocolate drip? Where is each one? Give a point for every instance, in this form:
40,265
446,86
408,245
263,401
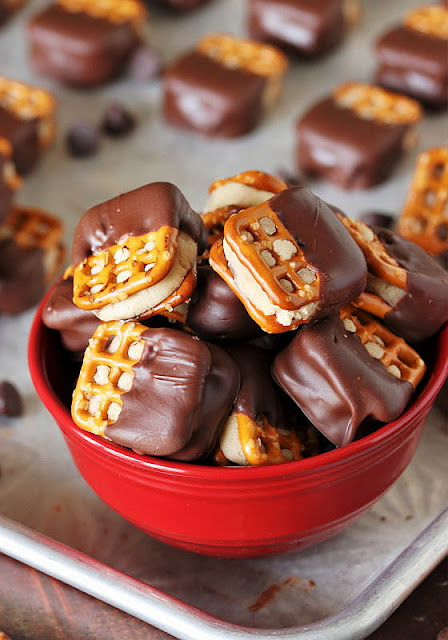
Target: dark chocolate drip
22,277
136,213
208,97
326,244
169,411
424,308
215,313
75,325
336,383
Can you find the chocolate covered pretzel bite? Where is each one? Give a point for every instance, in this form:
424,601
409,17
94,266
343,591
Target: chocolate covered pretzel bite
289,260
345,369
356,136
135,255
424,218
27,121
157,391
406,287
9,180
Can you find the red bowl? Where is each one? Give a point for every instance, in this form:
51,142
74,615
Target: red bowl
236,511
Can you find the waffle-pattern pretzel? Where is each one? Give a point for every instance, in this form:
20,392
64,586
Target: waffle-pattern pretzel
28,103
424,219
116,11
396,355
10,177
379,261
106,374
373,103
265,444
32,228
237,53
431,20
264,245
215,220
121,270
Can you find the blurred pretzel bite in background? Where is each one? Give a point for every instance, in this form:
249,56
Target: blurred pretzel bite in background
264,426
31,255
229,195
9,180
406,287
376,373
157,391
289,260
85,42
136,255
424,218
412,57
27,121
224,86
356,136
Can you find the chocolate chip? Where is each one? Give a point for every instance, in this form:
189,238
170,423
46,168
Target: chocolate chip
10,400
82,140
144,64
117,121
377,219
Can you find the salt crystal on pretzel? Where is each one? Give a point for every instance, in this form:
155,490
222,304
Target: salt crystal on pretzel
406,288
229,195
154,390
263,427
144,254
27,120
347,370
289,260
424,218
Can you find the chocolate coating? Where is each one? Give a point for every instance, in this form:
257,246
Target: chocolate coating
414,63
183,5
76,326
6,193
11,403
424,308
22,134
136,213
309,27
326,244
182,392
215,313
336,144
22,277
203,95
336,383
79,49
377,219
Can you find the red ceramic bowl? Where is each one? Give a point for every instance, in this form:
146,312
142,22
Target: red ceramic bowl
236,511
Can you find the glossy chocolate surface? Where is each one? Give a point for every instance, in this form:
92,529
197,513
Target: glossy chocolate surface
203,95
79,49
336,144
215,313
136,213
424,308
311,27
182,392
22,277
76,326
326,244
336,383
22,134
414,63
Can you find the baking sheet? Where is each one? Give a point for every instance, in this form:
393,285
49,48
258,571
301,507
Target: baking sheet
40,486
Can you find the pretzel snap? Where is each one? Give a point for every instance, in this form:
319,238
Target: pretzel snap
267,270
117,11
106,374
424,218
124,269
28,103
374,103
431,20
396,355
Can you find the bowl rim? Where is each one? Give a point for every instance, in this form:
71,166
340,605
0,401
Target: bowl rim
318,464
